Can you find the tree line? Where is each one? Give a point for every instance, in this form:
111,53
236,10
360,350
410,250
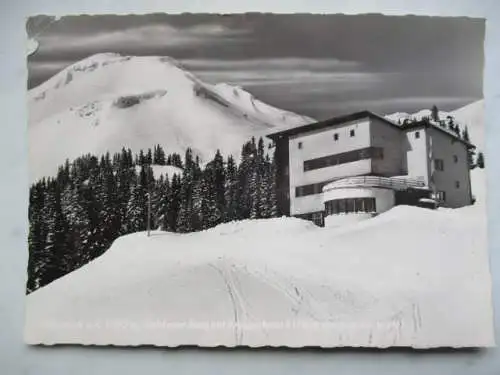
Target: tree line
75,216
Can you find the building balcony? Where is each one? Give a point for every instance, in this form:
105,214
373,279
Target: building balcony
394,183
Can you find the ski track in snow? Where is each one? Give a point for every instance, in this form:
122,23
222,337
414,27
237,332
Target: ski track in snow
409,277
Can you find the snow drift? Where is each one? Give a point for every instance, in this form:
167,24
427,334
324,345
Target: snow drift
410,277
109,101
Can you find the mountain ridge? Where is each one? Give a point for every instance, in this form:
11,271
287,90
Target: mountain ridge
109,101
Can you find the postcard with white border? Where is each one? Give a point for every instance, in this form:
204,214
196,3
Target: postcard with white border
257,180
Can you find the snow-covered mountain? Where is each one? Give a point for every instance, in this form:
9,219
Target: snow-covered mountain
471,115
414,277
109,101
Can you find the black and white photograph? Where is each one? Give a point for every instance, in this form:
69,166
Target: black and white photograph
257,179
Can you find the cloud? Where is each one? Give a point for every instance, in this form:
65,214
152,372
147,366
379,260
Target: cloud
48,67
290,77
149,36
324,108
311,73
288,63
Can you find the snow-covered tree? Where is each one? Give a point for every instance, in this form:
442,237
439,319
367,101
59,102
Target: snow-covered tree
480,160
435,113
470,152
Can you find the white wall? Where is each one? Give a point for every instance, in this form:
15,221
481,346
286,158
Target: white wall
389,138
417,155
443,148
306,204
320,143
384,198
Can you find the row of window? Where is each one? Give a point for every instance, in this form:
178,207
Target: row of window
352,133
301,191
453,139
345,157
349,205
439,163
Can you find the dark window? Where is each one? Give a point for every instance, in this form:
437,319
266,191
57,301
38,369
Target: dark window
342,206
417,135
439,164
336,137
370,205
301,191
345,157
299,145
359,205
457,184
441,195
363,154
316,217
348,205
352,133
455,158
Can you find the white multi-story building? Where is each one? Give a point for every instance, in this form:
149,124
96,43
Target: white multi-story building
362,164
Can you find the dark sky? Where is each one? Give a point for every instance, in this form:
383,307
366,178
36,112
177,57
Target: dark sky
317,65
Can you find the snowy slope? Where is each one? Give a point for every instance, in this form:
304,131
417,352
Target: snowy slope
410,277
109,101
471,115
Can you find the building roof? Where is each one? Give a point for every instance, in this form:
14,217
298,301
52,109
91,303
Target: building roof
358,116
327,123
426,123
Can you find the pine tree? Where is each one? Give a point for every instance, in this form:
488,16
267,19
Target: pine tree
109,208
149,157
56,242
79,225
174,199
470,152
38,259
465,134
184,220
245,175
125,179
159,156
161,206
231,191
218,182
273,201
480,160
254,195
137,204
435,113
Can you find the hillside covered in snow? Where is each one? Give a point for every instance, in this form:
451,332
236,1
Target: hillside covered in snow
415,277
471,115
109,101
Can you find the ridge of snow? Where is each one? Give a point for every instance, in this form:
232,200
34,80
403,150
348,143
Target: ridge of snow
282,281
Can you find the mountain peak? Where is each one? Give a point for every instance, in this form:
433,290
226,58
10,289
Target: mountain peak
109,101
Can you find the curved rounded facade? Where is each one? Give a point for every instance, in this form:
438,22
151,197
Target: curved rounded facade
357,198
